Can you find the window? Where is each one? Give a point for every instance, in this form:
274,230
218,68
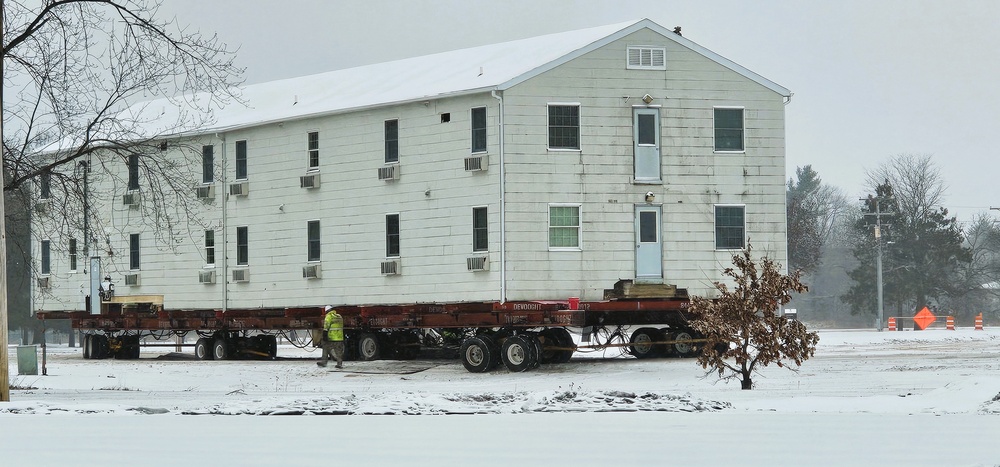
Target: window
210,247
72,254
312,234
391,141
647,58
728,129
207,164
392,235
313,150
133,252
564,227
479,129
730,227
133,171
242,246
241,160
46,259
45,185
480,230
564,126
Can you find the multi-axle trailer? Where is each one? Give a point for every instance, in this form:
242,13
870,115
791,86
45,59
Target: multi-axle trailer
519,334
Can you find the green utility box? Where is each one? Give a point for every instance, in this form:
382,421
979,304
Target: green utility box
27,359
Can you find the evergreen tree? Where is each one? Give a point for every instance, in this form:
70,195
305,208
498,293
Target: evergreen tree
922,246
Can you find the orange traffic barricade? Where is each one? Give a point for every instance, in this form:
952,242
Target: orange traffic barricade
950,323
892,323
979,322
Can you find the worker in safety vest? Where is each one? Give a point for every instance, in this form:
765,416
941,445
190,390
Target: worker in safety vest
333,337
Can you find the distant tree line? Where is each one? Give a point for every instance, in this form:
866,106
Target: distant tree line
928,258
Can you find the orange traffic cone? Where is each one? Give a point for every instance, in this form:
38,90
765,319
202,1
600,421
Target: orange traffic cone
979,322
950,323
892,323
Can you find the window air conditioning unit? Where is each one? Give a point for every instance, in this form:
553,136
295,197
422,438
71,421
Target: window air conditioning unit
389,172
132,280
205,192
309,181
130,199
390,267
42,206
478,263
44,282
311,271
476,163
239,188
241,275
206,277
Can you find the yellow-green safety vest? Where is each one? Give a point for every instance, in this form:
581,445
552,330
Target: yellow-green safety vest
333,324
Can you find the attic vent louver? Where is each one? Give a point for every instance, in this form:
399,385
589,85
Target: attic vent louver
647,58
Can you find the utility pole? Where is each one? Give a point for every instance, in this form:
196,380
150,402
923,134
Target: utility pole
877,202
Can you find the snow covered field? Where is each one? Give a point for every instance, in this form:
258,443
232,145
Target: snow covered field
866,398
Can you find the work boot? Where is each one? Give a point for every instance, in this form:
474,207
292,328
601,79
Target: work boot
338,366
322,364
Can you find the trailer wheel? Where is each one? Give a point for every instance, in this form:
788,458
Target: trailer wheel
220,348
642,342
86,347
99,348
478,355
368,347
272,347
518,353
407,345
536,346
203,349
556,337
681,346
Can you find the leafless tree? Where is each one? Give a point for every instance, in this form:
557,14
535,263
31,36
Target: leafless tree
80,79
743,328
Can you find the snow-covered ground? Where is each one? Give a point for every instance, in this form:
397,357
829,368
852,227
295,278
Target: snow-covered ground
866,398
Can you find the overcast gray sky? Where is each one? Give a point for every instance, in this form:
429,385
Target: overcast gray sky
871,79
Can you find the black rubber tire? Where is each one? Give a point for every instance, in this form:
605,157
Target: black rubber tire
203,349
369,347
641,344
98,346
407,345
556,337
518,353
220,349
272,346
478,354
87,347
537,351
682,350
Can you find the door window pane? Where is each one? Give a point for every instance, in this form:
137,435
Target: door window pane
647,227
647,129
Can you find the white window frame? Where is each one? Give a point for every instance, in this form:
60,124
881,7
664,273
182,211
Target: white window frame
743,143
134,248
651,50
247,261
246,160
213,248
318,240
385,141
72,249
399,235
579,227
715,226
579,126
487,227
45,257
207,164
485,129
309,151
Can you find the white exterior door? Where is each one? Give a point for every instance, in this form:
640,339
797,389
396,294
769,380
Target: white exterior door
646,137
648,244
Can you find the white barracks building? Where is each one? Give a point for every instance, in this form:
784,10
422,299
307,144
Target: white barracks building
537,169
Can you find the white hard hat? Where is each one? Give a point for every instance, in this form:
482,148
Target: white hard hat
328,308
